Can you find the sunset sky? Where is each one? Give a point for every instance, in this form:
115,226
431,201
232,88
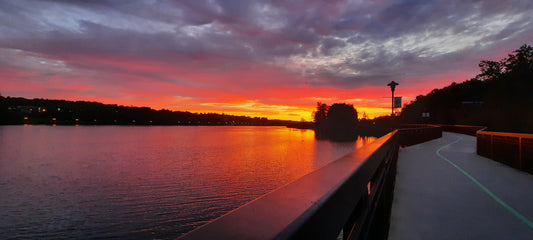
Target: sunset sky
257,58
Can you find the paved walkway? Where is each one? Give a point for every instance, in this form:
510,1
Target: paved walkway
444,190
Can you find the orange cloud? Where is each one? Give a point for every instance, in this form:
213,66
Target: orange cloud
220,85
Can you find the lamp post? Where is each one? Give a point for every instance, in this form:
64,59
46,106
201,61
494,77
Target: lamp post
392,85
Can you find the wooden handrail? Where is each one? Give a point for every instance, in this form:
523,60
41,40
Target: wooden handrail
463,129
513,149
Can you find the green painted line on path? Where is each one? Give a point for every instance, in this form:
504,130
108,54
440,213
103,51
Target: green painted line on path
485,189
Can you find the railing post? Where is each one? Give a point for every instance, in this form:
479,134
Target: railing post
491,146
352,228
520,161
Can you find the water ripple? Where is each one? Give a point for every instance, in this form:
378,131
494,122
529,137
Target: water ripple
143,182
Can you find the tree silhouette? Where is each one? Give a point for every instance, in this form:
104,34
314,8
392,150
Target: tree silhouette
490,70
498,97
320,117
337,122
342,122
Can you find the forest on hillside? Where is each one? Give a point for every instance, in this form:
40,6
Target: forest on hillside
499,97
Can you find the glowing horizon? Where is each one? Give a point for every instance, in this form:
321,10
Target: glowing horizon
251,58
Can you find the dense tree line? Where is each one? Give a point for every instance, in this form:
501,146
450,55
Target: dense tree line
61,112
336,122
499,97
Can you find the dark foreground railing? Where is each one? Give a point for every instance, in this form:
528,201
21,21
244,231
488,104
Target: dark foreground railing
352,195
513,149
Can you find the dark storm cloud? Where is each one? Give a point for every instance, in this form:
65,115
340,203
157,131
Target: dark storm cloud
336,43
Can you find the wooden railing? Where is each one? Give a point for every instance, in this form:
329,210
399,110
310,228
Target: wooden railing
351,196
411,134
463,129
513,149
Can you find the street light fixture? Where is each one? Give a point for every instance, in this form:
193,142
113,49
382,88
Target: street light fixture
392,85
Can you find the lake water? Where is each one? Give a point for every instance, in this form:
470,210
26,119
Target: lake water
68,182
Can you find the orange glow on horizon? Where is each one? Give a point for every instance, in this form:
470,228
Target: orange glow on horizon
255,97
242,88
297,114
300,106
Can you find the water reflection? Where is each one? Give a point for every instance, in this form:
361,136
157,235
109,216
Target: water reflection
143,182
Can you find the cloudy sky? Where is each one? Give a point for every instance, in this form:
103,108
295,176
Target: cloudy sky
256,58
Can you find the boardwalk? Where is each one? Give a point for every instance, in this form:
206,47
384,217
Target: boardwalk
444,190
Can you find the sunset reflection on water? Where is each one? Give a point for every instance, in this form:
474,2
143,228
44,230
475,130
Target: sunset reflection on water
144,182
